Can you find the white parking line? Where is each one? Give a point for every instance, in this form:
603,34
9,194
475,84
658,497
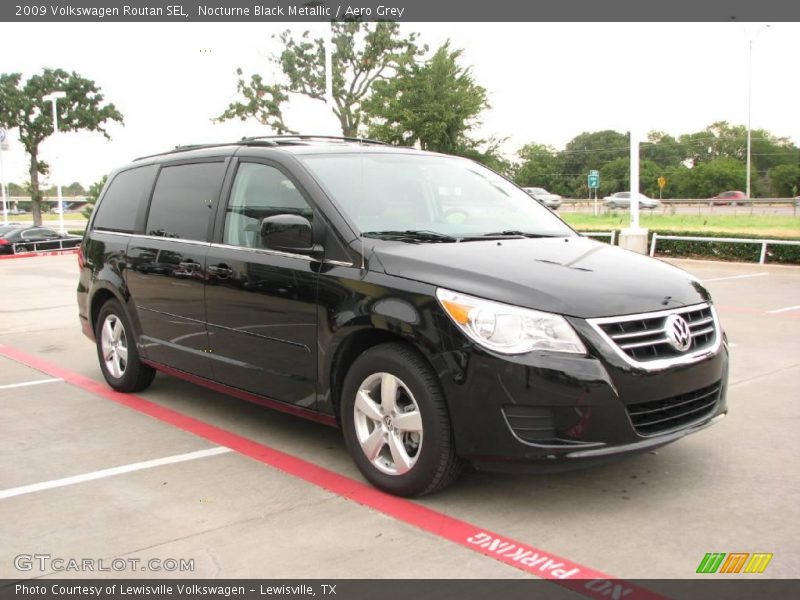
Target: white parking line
736,277
785,309
27,383
148,464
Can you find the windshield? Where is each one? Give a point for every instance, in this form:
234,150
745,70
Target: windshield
433,194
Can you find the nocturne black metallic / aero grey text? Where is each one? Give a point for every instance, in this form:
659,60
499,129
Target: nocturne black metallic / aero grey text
425,305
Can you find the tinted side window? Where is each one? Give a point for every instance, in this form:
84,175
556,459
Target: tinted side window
37,234
259,191
124,199
182,200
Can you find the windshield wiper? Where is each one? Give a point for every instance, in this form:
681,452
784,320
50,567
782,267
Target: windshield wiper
508,233
413,235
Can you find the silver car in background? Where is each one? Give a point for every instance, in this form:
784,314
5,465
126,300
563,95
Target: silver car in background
552,201
623,200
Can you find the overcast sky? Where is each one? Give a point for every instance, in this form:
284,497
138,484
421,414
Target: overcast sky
546,82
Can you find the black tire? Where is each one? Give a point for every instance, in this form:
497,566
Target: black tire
136,375
437,464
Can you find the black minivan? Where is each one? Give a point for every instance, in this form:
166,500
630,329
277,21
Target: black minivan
421,302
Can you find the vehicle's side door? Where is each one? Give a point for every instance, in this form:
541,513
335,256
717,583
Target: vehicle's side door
260,303
166,265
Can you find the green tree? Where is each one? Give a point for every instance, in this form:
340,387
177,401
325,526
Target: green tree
487,152
615,176
662,149
718,140
723,140
363,54
74,189
434,104
22,106
541,166
678,181
591,150
785,180
15,189
710,178
92,194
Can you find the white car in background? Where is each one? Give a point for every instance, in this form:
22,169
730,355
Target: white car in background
544,197
623,200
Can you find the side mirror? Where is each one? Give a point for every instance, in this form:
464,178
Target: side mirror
289,233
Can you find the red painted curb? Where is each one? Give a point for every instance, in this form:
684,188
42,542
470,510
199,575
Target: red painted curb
564,572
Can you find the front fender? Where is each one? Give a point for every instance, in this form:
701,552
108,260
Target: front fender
356,313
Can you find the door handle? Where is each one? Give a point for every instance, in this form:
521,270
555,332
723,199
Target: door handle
222,271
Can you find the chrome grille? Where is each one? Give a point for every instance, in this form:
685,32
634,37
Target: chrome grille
659,416
642,339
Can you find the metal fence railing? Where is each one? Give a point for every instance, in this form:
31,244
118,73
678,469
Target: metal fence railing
764,243
612,235
34,247
702,205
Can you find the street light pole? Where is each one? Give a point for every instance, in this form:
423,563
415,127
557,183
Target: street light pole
749,105
3,142
53,98
634,160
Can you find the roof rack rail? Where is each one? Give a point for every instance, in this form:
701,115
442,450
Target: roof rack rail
267,140
186,148
277,139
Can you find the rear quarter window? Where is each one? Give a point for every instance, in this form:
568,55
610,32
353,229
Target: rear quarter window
124,202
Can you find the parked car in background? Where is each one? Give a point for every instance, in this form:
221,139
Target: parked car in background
544,197
731,197
623,200
16,240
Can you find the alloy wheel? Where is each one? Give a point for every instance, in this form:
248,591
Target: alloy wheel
114,346
388,423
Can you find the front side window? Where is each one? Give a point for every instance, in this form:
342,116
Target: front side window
444,195
259,191
183,199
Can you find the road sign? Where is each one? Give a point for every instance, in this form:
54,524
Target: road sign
662,181
594,179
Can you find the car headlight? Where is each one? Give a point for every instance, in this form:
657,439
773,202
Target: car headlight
509,329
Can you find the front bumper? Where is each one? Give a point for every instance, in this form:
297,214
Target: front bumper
549,412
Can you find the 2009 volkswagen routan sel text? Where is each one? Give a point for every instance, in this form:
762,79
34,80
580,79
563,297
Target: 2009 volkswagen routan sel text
421,302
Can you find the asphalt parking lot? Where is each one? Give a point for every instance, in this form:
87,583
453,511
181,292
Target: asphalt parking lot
180,472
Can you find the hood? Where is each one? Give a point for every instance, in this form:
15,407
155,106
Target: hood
572,276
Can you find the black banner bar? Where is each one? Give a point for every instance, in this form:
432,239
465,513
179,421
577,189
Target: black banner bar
733,588
187,11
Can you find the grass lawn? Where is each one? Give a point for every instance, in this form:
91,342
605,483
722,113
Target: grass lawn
67,217
784,226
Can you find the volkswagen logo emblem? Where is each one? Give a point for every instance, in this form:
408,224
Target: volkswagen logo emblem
678,333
